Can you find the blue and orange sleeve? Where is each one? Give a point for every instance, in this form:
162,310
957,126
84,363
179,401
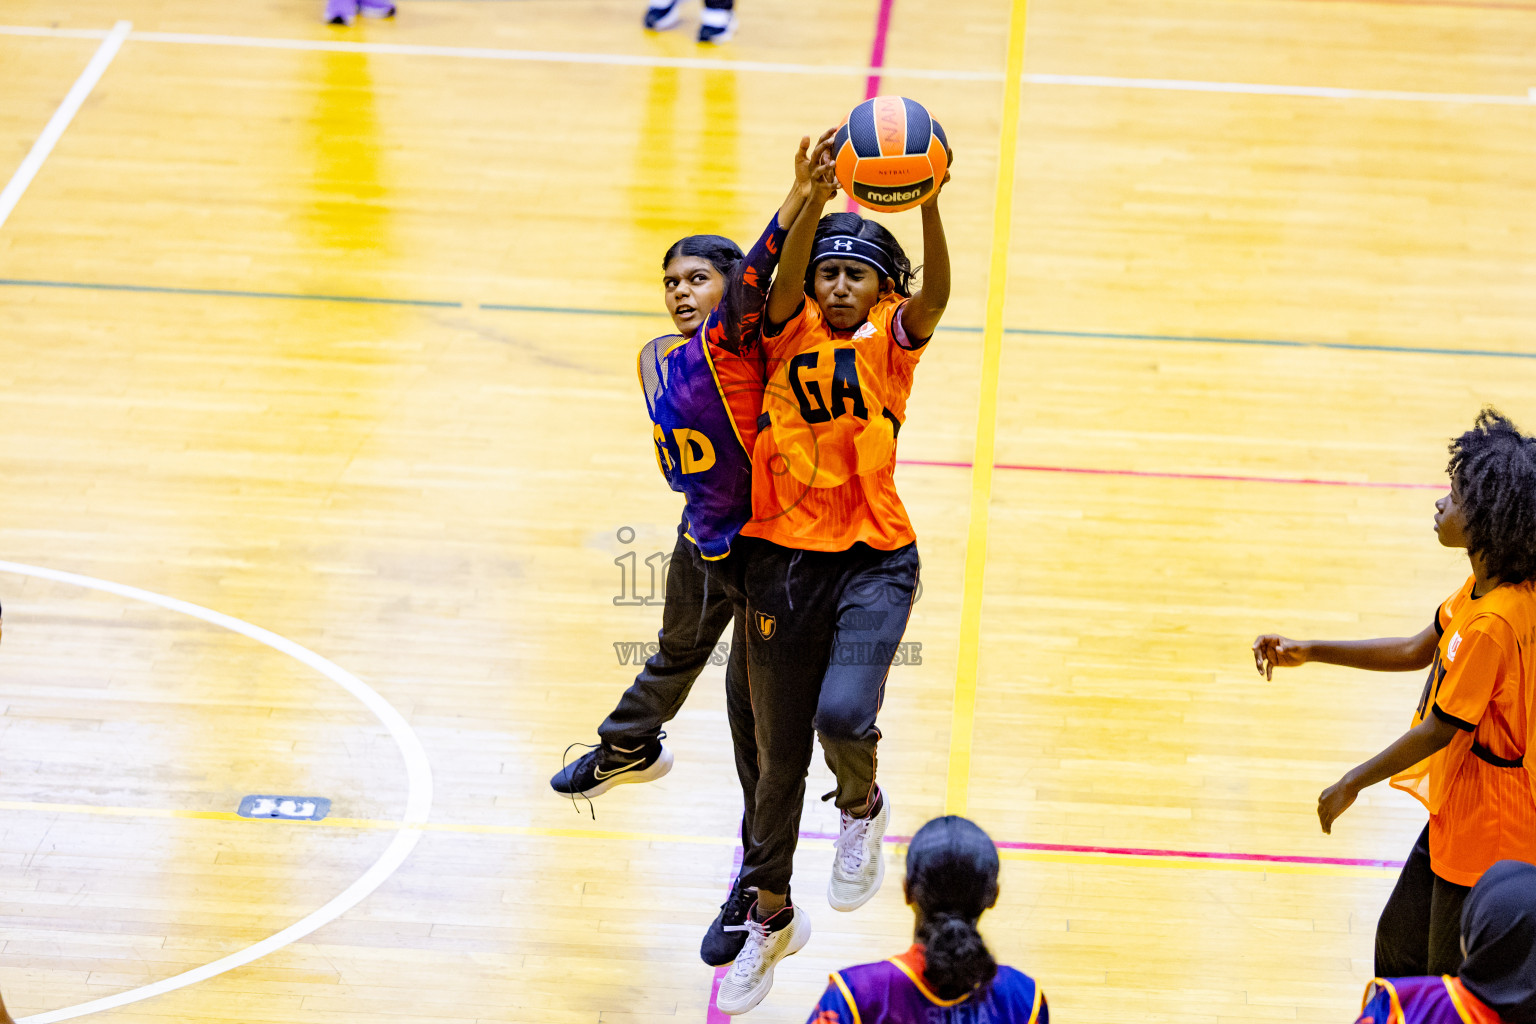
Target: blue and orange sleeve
737,322
833,1008
1378,1005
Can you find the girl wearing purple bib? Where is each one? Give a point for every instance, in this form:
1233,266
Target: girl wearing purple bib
1497,980
948,976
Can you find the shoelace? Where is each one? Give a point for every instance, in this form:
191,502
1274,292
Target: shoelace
732,902
849,847
565,759
747,960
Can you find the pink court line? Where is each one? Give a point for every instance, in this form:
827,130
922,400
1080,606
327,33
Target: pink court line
876,63
877,51
715,1015
1227,477
1136,851
1486,5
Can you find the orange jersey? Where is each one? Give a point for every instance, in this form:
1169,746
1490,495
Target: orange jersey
824,463
1483,680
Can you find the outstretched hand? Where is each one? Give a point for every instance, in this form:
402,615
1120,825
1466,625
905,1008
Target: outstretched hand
823,168
1272,651
1334,801
813,162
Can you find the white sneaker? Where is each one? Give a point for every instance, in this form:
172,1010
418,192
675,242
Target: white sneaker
751,976
858,862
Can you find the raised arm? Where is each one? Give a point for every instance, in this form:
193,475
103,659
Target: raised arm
920,314
800,191
1388,654
788,290
736,322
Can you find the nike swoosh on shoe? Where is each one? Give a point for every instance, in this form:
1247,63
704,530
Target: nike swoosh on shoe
617,771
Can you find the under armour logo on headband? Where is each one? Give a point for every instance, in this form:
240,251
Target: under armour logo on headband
855,248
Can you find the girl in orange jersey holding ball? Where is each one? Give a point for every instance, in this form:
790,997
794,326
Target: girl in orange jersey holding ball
833,570
1465,756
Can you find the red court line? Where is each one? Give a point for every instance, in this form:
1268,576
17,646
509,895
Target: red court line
1227,477
1137,851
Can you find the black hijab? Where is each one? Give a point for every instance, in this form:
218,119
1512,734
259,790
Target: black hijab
1498,923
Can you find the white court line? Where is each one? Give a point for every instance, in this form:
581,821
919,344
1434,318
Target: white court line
61,118
1320,91
57,33
766,67
559,56
418,801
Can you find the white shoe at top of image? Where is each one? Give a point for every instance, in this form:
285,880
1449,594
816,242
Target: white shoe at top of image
858,860
751,975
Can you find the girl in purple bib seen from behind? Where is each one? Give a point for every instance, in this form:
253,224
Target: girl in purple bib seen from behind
1497,981
948,976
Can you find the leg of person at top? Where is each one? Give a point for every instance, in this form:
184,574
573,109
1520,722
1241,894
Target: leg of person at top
661,15
1420,928
718,21
376,8
1402,933
786,657
872,613
1445,926
728,932
697,609
340,12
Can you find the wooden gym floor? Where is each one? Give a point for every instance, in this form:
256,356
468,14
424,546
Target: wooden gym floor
337,340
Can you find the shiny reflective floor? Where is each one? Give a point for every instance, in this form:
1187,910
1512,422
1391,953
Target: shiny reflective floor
331,331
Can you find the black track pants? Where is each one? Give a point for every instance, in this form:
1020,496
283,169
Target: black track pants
1420,928
822,628
701,598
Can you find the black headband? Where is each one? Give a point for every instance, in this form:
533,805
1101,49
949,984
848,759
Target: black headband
851,247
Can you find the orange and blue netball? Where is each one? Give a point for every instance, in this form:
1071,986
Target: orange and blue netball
890,154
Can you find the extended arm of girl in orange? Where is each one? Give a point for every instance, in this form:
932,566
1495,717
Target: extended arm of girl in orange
788,290
920,315
1389,654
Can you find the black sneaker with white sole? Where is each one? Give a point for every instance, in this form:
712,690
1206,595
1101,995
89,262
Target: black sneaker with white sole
728,932
716,26
662,14
602,767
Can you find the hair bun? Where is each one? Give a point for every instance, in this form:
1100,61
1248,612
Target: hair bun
958,961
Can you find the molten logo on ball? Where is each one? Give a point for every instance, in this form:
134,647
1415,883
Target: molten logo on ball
881,198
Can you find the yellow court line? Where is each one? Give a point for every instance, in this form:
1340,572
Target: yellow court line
544,832
370,823
963,717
